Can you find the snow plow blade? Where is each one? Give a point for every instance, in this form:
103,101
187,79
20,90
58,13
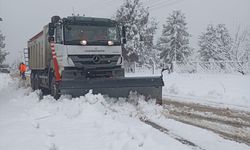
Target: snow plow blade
150,87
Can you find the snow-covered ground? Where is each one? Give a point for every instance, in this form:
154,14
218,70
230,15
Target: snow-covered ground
90,122
214,89
224,90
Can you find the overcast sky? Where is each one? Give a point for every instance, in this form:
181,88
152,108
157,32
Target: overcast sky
24,18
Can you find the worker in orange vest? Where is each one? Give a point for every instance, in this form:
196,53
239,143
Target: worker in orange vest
22,69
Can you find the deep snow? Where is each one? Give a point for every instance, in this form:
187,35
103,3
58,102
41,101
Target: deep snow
89,122
79,123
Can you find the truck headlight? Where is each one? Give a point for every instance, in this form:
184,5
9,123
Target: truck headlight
83,42
110,43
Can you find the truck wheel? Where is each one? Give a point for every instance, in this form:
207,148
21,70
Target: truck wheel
36,82
54,89
32,82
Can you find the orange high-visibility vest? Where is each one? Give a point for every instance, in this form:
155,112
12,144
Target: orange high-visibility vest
22,68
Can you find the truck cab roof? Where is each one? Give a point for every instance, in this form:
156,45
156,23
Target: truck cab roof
89,20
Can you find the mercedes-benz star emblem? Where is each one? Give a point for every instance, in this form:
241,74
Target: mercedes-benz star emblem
96,59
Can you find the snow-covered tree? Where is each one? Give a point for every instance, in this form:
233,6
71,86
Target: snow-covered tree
2,52
215,44
174,41
240,52
140,31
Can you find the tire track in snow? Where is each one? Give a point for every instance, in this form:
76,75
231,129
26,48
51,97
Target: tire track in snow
172,135
229,124
156,126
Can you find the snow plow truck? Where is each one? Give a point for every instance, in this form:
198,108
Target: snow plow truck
75,54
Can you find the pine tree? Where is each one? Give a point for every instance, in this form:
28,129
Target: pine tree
215,44
2,52
174,41
140,31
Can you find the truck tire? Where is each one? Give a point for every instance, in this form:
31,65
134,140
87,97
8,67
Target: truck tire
32,81
36,82
54,89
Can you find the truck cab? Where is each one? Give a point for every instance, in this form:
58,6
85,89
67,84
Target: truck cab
88,47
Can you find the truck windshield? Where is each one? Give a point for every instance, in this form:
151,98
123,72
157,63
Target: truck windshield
94,35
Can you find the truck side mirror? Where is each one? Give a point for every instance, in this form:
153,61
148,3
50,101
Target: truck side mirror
124,41
51,29
55,19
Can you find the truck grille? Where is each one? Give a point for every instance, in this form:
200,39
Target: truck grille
94,60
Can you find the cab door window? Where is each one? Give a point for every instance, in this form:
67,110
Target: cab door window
58,35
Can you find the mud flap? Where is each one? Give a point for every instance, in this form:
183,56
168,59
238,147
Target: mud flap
150,87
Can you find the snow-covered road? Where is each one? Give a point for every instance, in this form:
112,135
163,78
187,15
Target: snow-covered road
228,123
92,122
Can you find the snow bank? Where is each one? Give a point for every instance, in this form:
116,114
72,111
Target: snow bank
5,80
87,122
221,89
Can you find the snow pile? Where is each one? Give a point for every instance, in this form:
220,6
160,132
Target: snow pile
5,80
87,122
10,88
